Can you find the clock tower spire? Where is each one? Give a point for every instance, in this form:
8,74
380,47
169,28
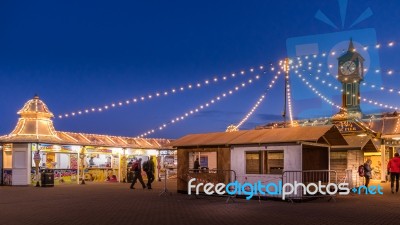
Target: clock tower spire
350,74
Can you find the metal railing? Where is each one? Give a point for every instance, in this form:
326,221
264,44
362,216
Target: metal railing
306,177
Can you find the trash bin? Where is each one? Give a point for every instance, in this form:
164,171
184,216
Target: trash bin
47,178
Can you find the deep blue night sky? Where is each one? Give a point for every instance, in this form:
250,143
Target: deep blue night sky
83,54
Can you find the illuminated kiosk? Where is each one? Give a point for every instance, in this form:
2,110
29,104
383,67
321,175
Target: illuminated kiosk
71,156
256,155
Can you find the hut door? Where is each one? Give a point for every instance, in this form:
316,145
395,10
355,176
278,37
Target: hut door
315,158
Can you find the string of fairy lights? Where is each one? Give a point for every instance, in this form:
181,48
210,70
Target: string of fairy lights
301,62
258,103
318,93
200,107
158,94
364,99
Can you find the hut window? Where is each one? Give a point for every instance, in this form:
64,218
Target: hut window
253,162
207,160
273,162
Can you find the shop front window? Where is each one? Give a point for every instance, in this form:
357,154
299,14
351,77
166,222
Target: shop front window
99,160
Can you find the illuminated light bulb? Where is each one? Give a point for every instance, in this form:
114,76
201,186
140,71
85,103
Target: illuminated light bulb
182,88
272,68
390,72
391,44
142,98
86,111
251,70
93,109
236,88
243,84
60,116
106,107
66,115
242,72
127,101
215,79
120,103
201,107
189,86
365,48
165,93
206,82
186,114
173,90
377,46
223,78
261,67
73,114
207,105
198,85
80,112
233,75
333,53
113,105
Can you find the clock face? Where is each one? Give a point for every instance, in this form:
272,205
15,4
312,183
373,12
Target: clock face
348,68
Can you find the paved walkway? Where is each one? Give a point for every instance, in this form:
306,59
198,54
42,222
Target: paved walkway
113,203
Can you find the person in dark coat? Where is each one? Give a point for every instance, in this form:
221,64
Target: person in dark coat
137,169
149,171
394,171
367,172
196,166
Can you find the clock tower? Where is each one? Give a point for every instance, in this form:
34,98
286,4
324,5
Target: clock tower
350,74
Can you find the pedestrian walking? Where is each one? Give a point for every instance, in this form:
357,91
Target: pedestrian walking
367,172
137,169
148,167
394,171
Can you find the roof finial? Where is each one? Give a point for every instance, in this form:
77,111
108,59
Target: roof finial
36,96
351,46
